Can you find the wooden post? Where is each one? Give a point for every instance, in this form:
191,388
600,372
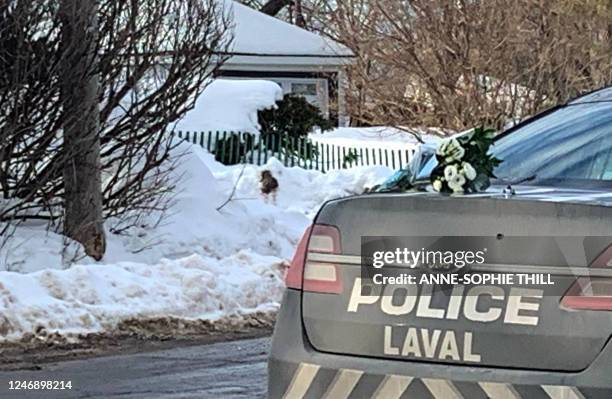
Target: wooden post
224,141
231,148
399,157
259,145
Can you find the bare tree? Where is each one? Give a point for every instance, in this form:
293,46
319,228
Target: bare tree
152,60
289,10
79,87
273,7
457,64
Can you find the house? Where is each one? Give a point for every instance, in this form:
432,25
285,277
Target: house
301,62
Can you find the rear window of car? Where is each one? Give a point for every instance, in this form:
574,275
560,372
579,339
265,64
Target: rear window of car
573,143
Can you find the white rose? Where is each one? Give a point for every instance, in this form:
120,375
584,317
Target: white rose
437,185
450,171
456,183
468,170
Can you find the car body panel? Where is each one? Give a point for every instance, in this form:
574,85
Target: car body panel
336,344
318,343
327,319
559,212
296,370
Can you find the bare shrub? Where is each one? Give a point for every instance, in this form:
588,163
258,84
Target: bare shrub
153,59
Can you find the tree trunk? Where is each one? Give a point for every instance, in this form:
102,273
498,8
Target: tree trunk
83,219
299,16
273,7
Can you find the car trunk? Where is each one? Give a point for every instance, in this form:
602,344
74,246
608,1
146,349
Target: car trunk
519,325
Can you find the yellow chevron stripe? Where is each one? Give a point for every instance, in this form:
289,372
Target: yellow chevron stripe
562,392
343,384
392,387
301,381
495,390
441,389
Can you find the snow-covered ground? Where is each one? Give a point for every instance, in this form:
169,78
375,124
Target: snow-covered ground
200,263
373,137
371,145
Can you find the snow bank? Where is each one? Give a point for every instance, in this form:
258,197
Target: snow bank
201,263
31,248
96,298
231,105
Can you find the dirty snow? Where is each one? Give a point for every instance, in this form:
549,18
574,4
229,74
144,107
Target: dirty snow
231,105
95,298
199,264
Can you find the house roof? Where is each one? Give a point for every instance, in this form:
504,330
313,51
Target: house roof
259,35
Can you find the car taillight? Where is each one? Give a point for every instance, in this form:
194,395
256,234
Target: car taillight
293,279
591,293
314,276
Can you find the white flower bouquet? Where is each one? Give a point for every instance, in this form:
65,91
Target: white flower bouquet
464,163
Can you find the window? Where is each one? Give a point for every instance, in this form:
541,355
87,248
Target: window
304,89
571,143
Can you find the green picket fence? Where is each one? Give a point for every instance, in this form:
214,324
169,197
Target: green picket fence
238,147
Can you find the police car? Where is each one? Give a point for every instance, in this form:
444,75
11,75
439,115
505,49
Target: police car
338,337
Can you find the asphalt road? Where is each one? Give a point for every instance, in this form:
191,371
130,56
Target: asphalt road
224,370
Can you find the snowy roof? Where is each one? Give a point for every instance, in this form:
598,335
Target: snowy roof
258,34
